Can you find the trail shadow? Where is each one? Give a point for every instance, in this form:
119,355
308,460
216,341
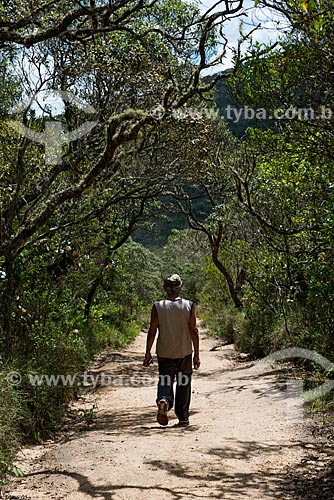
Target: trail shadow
272,383
267,373
215,468
208,477
109,491
130,421
211,374
229,485
276,388
304,483
121,365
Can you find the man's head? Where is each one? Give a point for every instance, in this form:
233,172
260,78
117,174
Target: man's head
172,284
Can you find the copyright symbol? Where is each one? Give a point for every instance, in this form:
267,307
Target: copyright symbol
157,112
14,378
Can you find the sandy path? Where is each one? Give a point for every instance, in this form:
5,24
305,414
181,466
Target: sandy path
239,446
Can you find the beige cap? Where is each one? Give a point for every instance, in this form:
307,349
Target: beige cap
172,281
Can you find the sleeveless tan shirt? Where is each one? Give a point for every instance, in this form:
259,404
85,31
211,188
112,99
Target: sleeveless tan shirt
174,339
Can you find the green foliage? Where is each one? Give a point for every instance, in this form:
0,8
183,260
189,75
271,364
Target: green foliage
9,88
134,280
11,415
215,302
183,254
284,187
88,415
54,338
230,107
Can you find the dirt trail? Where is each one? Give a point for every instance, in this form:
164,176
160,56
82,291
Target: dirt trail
239,444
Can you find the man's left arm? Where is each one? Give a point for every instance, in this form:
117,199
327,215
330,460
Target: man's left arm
194,336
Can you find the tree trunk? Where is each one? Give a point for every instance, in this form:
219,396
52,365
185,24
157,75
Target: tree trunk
91,294
230,283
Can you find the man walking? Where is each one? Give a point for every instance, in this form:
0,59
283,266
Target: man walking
175,318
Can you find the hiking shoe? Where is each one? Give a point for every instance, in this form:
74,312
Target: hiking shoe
183,423
162,417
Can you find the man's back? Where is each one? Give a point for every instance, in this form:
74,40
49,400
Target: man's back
174,340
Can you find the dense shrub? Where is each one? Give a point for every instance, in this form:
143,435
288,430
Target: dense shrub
11,417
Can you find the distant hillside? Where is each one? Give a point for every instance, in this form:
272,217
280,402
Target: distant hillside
164,222
237,116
